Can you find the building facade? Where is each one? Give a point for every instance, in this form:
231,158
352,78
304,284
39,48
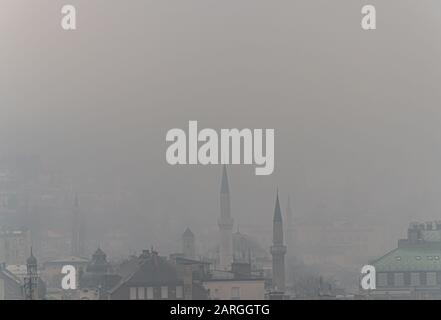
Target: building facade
14,246
413,269
152,277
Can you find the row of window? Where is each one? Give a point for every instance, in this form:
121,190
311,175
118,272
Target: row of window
150,293
398,258
412,279
235,293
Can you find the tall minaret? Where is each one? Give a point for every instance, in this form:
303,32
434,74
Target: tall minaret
289,227
278,250
225,224
78,230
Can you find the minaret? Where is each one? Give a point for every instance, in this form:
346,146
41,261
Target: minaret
78,230
289,227
225,224
188,244
278,250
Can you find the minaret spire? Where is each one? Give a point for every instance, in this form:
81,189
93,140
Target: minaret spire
225,223
277,211
278,249
224,185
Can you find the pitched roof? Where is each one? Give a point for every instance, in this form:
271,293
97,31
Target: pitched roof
149,269
424,256
154,270
9,275
70,259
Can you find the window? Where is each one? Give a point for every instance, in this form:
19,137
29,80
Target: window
132,293
423,278
407,279
390,279
164,292
382,279
179,292
150,293
216,294
431,278
141,293
399,279
415,279
235,293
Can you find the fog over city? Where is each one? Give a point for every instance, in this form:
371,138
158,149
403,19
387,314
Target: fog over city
356,117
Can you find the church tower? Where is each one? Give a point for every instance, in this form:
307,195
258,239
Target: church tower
188,244
78,230
225,223
278,250
31,278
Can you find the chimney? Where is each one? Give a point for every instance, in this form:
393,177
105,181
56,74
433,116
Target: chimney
413,233
241,269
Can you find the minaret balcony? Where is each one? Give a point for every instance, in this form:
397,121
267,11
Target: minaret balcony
278,249
225,223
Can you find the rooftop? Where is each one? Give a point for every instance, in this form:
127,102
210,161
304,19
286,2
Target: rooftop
411,257
421,251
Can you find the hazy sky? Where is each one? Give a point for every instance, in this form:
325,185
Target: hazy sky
356,114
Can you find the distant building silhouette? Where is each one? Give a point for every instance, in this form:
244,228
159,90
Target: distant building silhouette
188,244
225,224
278,250
51,272
413,269
78,230
98,277
32,279
14,246
152,277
